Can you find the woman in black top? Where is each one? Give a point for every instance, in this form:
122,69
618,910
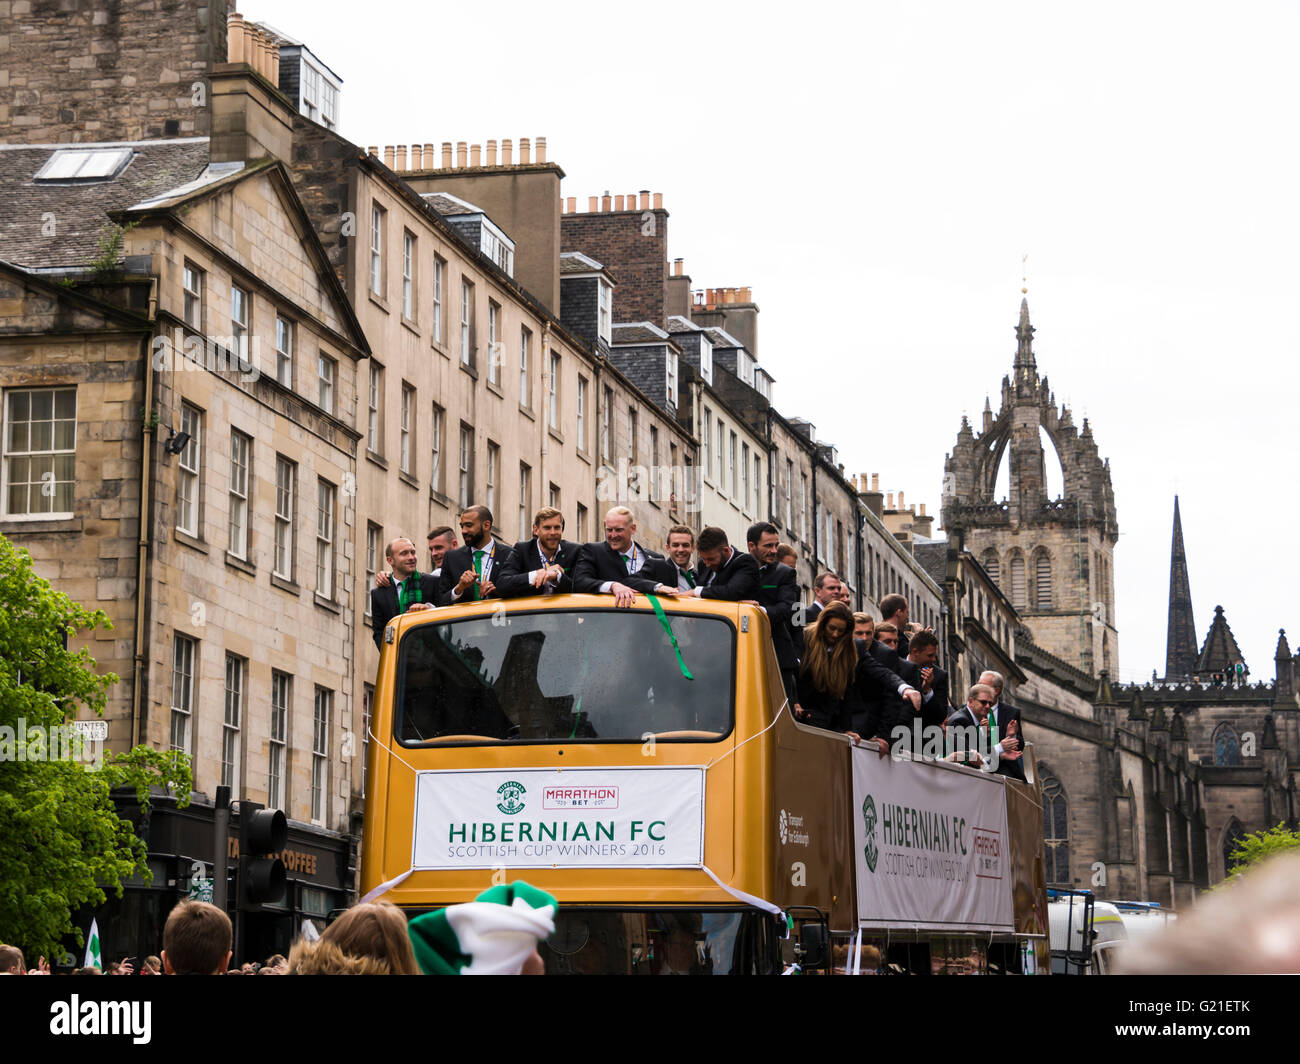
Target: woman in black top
828,695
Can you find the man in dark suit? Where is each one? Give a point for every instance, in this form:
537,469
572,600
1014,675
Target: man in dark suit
928,678
826,589
723,571
621,566
408,591
778,594
1003,715
469,572
890,685
542,565
893,610
681,545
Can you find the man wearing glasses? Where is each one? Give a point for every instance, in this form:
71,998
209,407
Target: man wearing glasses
1002,739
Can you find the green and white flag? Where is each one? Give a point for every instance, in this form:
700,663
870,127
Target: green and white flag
492,935
93,959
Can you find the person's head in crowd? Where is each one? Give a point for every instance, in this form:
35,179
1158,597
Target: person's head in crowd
369,939
864,627
113,968
196,939
680,545
787,555
980,699
763,542
1249,927
620,528
548,528
152,966
843,595
441,540
994,680
893,608
277,961
249,968
888,634
830,658
402,557
826,588
11,961
923,650
715,552
476,526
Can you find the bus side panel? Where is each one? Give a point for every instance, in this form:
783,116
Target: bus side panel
812,835
1028,875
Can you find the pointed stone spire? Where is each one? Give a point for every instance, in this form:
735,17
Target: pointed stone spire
1219,652
1025,370
1284,688
1180,642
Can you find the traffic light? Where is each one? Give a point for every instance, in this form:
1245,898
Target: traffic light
262,833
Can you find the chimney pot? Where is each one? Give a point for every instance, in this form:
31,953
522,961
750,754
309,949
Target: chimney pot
604,202
401,157
389,160
677,263
275,64
524,151
659,201
428,157
618,203
446,155
417,157
373,150
235,38
507,152
573,204
645,203
631,202
889,501
592,204
491,153
462,154
475,154
900,500
746,295
922,509
541,149
875,481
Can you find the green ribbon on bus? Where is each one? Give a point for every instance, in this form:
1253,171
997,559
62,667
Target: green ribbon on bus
668,631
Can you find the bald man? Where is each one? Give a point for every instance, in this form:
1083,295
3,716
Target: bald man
410,590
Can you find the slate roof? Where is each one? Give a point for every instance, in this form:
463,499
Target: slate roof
1219,651
78,211
722,338
933,558
640,332
450,206
577,262
678,324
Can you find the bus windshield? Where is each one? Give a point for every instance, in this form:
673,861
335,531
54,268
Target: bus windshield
566,675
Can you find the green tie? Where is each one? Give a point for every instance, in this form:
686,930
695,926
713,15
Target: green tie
478,571
993,728
627,562
690,577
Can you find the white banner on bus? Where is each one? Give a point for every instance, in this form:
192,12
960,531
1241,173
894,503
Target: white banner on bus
548,818
930,846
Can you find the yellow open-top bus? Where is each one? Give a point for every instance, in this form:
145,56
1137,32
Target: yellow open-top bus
640,765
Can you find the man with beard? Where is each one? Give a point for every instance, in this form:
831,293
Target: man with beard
542,565
468,572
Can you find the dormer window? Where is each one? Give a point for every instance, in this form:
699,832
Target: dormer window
706,359
671,391
745,367
606,305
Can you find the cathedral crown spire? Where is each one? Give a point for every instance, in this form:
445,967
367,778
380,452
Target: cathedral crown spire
1180,645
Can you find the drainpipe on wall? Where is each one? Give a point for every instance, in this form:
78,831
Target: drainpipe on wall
142,561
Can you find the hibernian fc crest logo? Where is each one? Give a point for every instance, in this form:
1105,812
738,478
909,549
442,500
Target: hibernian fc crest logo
512,795
869,851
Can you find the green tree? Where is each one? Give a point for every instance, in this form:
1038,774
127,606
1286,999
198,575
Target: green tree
1260,845
62,842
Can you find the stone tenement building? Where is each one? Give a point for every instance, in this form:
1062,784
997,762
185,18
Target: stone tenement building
1052,557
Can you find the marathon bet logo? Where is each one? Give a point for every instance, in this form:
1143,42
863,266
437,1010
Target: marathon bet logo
869,851
77,1017
511,794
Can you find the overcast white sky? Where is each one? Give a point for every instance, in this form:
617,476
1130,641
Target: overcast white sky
876,174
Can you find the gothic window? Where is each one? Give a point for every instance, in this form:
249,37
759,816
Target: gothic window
990,563
1227,750
1105,651
1043,581
1056,832
1232,836
1018,597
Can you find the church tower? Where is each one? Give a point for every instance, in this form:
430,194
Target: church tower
1051,557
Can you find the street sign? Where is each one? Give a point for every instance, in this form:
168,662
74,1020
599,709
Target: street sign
92,731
